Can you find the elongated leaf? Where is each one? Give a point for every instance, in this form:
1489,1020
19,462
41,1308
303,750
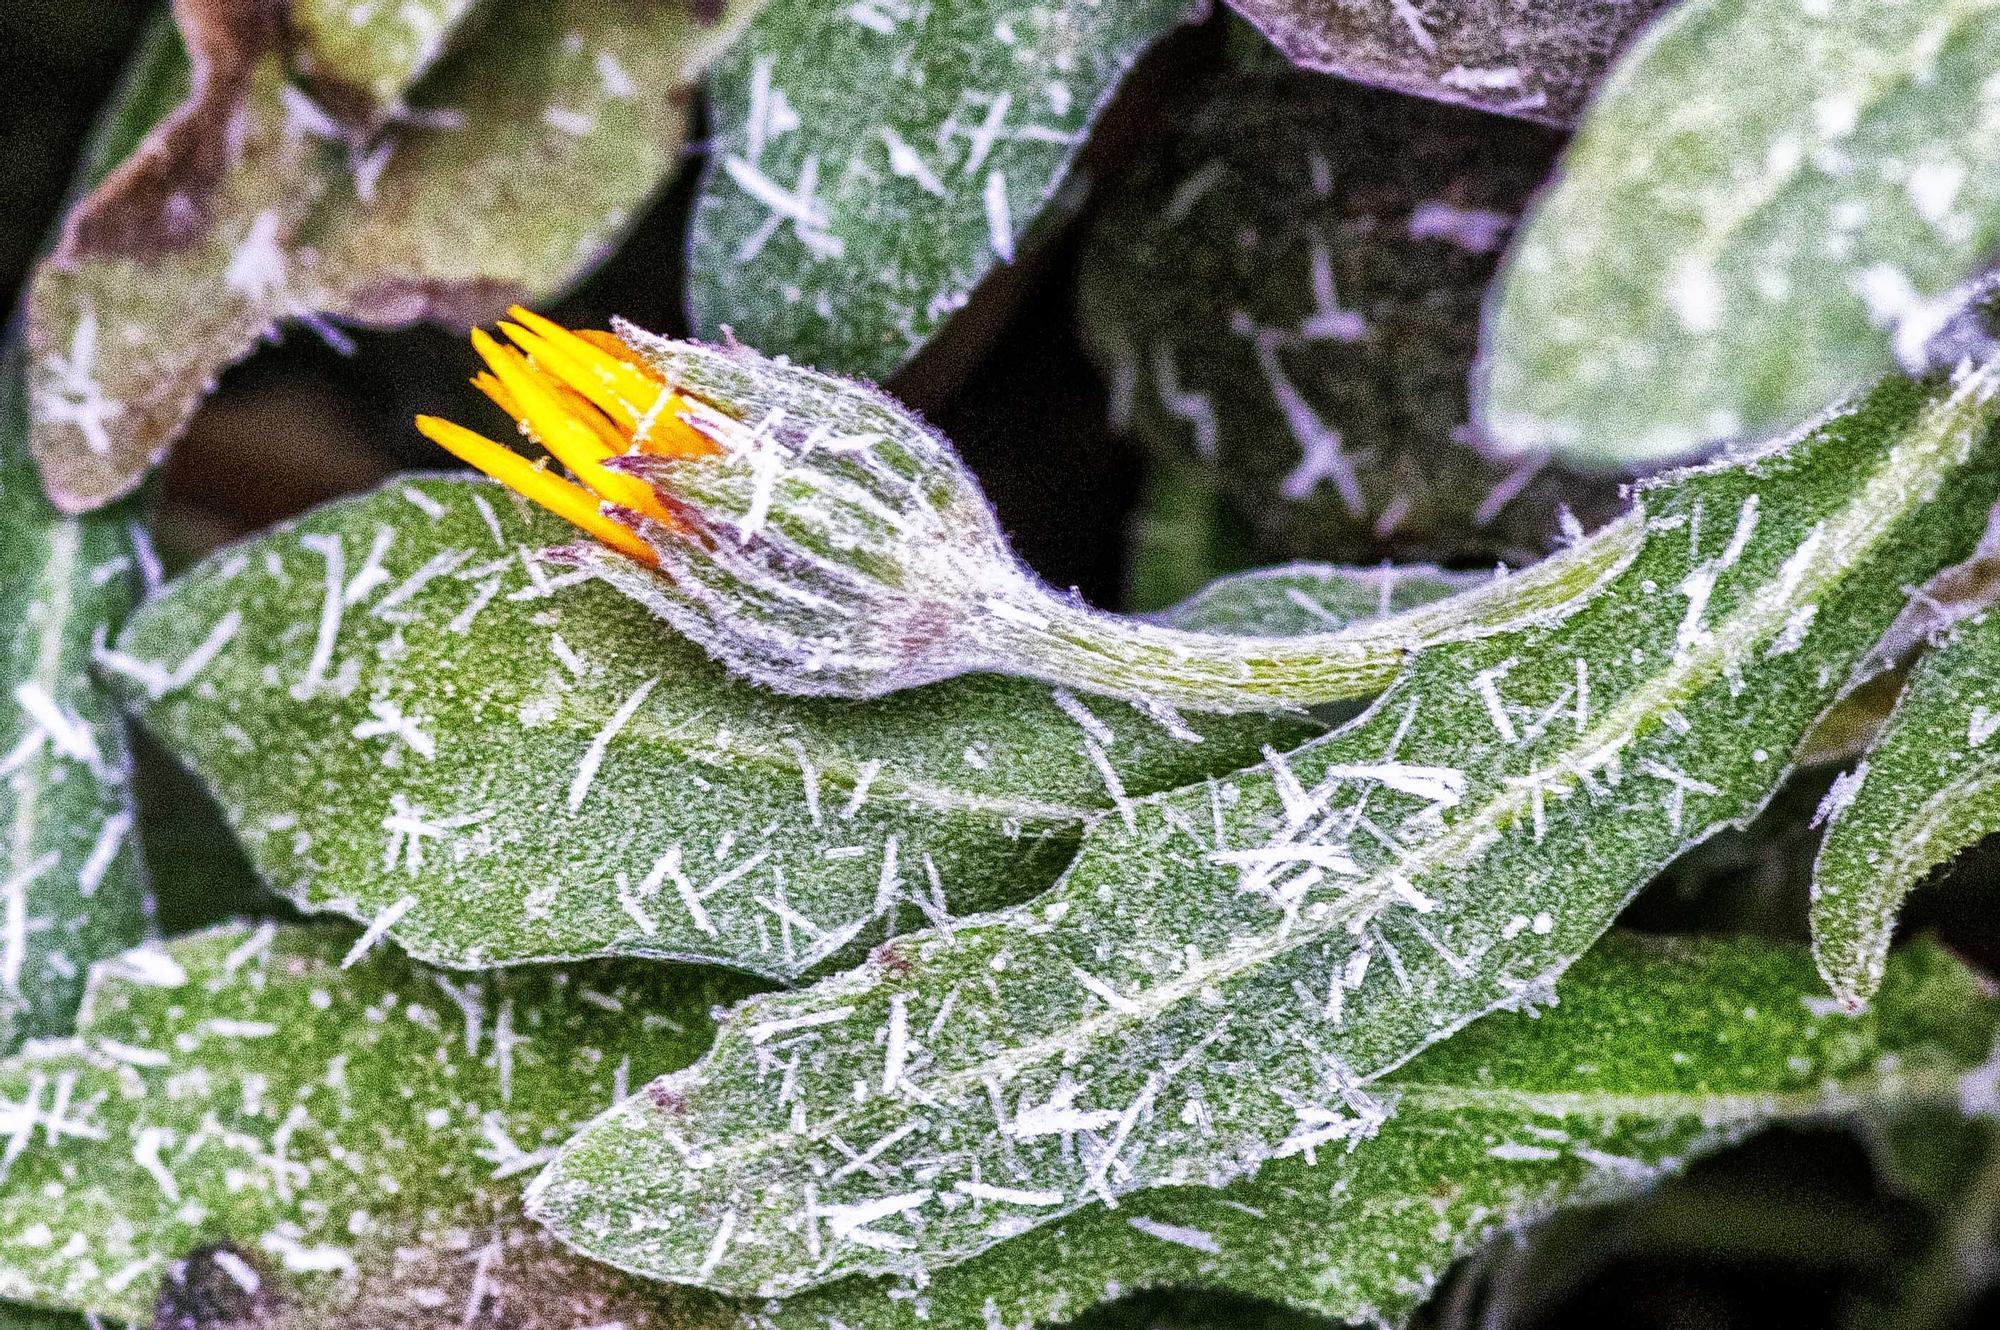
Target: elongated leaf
320,1138
1735,239
359,1164
1539,61
530,146
1929,788
844,227
1288,298
1654,1056
71,886
1218,977
409,720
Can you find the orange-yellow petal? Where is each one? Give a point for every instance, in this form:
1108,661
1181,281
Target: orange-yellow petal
602,368
497,392
567,500
559,427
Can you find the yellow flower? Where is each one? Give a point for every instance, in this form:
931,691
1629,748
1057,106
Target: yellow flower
586,399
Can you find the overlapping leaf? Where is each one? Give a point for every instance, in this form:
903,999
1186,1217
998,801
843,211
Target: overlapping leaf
1288,299
1220,975
517,161
72,889
1539,61
245,1131
409,719
1928,788
323,1141
874,161
1766,201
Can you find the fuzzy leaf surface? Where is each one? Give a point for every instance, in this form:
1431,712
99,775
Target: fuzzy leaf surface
1654,1056
527,149
1538,59
352,1137
1929,787
1734,241
1298,598
1287,300
1218,977
409,720
192,1146
72,889
844,229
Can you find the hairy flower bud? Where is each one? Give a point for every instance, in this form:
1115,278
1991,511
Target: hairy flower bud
815,536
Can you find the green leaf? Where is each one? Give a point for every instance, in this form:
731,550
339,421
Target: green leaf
408,719
1537,61
528,149
72,889
1735,240
347,1137
1928,788
844,229
1287,298
1221,973
1299,598
363,1165
1655,1055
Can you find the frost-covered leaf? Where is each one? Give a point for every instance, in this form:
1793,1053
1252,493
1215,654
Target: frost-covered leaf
1288,296
873,161
244,1129
524,152
1928,788
409,719
331,1144
71,886
1768,199
1301,598
1534,58
1654,1056
1221,973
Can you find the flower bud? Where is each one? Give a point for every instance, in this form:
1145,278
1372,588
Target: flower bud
815,536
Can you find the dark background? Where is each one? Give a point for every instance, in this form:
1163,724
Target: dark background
1790,1230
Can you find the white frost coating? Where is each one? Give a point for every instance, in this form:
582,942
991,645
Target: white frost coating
74,395
70,733
378,928
999,220
257,270
593,756
766,1030
1696,296
907,164
333,551
983,1191
1178,1234
1840,794
1475,230
110,839
1980,726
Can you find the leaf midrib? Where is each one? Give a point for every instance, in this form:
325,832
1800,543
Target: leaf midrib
1880,506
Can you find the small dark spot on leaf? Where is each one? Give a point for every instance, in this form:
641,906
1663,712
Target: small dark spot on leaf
666,1099
215,1287
891,958
706,11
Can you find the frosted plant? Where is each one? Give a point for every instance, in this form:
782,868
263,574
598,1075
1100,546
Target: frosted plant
815,536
